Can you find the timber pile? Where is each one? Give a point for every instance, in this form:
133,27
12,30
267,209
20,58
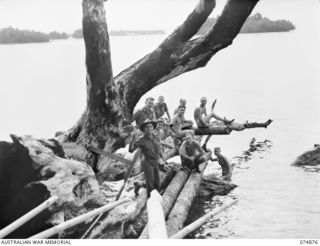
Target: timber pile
33,170
179,212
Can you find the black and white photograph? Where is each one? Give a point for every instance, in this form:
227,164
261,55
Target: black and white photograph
160,119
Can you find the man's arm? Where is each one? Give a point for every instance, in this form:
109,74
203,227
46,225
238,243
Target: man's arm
134,144
176,125
205,111
182,151
197,145
226,163
197,116
167,112
163,143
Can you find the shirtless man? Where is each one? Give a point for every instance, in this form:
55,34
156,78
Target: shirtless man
191,153
203,120
182,102
160,108
224,163
177,124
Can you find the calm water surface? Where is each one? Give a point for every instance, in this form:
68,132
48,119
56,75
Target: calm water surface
261,76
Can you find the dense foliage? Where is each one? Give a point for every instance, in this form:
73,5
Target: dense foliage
58,35
12,35
255,24
77,33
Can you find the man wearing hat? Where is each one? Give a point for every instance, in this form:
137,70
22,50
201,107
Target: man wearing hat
151,149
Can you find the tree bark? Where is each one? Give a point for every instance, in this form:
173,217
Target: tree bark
179,212
169,196
177,55
111,101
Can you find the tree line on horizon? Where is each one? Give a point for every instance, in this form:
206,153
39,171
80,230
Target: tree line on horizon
11,35
254,24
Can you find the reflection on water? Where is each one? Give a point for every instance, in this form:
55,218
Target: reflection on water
276,200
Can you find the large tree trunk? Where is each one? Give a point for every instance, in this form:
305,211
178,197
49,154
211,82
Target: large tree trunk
111,101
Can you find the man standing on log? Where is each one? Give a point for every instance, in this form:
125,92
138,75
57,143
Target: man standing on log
160,108
203,120
191,153
224,163
147,112
151,149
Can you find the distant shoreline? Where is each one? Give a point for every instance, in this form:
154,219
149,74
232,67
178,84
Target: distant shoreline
254,24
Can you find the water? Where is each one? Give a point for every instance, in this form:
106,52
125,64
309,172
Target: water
261,76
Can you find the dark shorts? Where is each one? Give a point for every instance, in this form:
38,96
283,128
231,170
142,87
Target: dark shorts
192,164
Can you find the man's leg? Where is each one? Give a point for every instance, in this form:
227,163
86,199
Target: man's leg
204,146
149,176
217,117
156,177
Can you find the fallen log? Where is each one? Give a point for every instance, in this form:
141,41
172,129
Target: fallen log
196,224
220,128
156,221
119,221
179,212
77,220
22,220
169,196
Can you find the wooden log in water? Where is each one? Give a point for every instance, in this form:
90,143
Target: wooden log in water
179,212
169,196
77,220
28,216
156,221
196,224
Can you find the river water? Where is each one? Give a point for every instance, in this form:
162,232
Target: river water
260,76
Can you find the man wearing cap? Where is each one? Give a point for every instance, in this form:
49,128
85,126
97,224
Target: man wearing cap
147,112
160,108
151,149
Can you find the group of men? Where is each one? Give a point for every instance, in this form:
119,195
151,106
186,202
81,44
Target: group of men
154,130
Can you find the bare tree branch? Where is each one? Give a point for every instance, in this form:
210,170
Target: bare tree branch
176,55
142,76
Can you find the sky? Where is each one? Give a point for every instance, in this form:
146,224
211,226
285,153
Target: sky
65,15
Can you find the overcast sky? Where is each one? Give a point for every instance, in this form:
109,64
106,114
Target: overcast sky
65,15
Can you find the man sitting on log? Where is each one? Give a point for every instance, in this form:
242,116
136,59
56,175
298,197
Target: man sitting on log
147,112
178,123
203,120
224,163
151,149
182,102
191,153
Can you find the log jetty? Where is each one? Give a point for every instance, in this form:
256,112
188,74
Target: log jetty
33,171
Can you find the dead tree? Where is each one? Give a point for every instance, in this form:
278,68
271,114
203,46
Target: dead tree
111,100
